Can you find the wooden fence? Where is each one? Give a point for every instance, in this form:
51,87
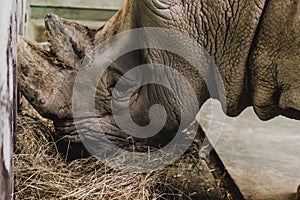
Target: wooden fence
10,18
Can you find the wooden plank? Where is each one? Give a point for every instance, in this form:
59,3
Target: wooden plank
37,30
92,14
8,56
97,4
21,10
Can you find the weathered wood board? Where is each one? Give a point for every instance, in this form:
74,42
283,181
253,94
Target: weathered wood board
92,13
10,15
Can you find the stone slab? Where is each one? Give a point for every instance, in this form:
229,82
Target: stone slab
262,157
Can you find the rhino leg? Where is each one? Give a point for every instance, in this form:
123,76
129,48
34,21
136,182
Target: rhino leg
298,193
275,62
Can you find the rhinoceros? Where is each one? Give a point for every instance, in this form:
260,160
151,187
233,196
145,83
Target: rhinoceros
254,44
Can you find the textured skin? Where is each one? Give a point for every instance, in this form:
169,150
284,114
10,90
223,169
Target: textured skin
275,62
224,28
298,193
254,43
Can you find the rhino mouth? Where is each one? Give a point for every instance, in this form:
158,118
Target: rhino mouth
103,132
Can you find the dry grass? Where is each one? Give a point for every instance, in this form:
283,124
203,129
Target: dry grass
42,173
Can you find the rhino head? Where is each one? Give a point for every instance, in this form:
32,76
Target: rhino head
254,44
69,62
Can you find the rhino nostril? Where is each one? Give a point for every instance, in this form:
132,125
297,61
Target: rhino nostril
42,101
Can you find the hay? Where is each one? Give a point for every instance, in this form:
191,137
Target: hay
42,173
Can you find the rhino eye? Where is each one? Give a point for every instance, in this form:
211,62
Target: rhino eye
124,88
125,85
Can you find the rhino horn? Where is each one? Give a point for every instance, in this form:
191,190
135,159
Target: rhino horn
44,80
69,40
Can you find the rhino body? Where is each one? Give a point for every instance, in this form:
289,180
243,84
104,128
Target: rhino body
254,44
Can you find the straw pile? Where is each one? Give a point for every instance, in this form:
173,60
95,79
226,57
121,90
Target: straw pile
42,173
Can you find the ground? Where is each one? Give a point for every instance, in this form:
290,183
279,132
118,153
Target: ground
42,173
261,156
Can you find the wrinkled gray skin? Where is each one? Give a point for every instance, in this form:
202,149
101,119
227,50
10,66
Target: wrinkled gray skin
254,43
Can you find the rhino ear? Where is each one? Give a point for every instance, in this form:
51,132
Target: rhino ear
70,41
44,80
